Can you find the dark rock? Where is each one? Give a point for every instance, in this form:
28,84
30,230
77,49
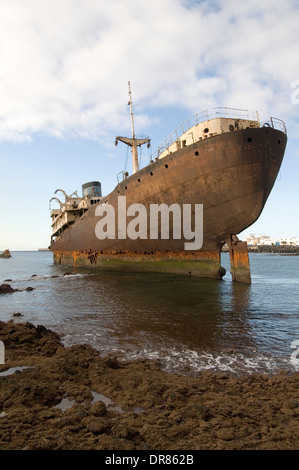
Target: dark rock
6,254
112,363
29,288
97,426
98,409
27,338
6,289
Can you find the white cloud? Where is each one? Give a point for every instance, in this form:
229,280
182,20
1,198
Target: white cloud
64,64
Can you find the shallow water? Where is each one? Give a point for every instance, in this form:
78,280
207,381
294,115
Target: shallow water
190,324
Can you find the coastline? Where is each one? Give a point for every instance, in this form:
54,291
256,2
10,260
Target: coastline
71,398
278,249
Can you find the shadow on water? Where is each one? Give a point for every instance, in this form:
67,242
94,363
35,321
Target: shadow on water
190,311
138,312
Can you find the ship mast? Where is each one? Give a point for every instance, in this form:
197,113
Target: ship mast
133,142
134,145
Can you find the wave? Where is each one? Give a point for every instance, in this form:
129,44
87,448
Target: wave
39,277
187,361
190,361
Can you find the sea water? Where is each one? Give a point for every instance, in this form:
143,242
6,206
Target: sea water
189,324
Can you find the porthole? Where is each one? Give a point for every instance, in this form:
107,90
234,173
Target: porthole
196,153
206,130
249,139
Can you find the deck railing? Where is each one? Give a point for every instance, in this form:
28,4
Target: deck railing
278,124
203,116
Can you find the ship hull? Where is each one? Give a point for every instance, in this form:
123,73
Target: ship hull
201,264
231,175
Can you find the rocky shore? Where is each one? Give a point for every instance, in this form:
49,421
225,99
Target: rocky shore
56,397
279,249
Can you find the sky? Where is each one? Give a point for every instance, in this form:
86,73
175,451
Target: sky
64,72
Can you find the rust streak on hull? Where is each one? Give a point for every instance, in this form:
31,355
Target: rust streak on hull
239,260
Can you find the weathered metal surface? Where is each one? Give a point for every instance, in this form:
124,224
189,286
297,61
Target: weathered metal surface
239,260
231,174
200,264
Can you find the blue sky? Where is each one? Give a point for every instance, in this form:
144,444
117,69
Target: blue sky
64,72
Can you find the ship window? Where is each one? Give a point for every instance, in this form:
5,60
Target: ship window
196,153
249,139
206,130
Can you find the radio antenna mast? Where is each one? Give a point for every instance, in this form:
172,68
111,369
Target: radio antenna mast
133,142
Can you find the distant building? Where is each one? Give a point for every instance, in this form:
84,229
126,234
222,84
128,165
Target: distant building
258,240
288,241
267,240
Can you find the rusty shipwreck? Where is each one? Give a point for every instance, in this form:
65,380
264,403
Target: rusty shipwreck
226,160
